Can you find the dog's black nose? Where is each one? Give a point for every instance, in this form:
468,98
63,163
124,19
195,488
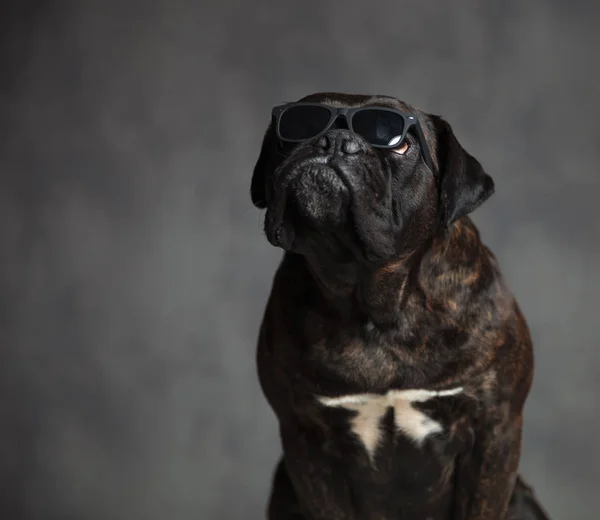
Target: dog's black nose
341,142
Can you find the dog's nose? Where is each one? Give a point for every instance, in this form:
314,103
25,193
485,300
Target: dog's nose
340,142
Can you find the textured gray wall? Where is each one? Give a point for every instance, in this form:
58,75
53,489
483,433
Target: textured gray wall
133,268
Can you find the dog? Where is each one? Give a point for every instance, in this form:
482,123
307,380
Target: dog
391,350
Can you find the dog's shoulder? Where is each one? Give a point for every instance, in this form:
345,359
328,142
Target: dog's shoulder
462,282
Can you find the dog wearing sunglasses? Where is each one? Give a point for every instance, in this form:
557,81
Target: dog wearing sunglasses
392,352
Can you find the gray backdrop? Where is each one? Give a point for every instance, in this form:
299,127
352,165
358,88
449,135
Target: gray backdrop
133,267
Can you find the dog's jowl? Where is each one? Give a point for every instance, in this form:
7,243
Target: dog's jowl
392,352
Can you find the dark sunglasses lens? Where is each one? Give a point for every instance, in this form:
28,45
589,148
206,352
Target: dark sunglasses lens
379,127
297,123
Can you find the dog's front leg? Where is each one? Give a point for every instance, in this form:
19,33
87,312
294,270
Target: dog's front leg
320,485
486,474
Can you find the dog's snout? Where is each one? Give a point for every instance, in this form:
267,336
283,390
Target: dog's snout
341,142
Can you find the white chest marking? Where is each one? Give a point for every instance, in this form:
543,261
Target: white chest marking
370,408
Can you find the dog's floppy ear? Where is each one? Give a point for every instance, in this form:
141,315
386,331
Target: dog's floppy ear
463,183
264,165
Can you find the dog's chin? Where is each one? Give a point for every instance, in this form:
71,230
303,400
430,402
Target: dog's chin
315,199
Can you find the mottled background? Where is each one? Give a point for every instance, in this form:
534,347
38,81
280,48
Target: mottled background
134,272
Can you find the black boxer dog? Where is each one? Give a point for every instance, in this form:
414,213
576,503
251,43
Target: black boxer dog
392,352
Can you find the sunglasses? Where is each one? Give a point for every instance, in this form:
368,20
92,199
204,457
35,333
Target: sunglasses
381,127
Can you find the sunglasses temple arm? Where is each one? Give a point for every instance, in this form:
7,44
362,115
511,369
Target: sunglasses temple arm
424,147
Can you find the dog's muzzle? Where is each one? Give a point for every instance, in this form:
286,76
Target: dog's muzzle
314,190
313,195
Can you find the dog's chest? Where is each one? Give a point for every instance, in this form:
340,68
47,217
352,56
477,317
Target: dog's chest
409,420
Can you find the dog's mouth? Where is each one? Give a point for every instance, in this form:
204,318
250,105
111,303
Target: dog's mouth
313,194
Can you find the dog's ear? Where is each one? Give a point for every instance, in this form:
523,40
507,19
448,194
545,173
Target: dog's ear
463,183
263,168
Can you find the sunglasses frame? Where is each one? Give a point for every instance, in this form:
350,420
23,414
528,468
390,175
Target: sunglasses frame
410,120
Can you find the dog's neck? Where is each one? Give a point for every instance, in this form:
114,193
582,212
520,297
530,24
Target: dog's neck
375,293
353,289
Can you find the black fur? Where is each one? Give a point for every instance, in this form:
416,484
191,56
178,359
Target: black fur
386,285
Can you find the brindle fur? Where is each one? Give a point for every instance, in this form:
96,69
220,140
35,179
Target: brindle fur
436,314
